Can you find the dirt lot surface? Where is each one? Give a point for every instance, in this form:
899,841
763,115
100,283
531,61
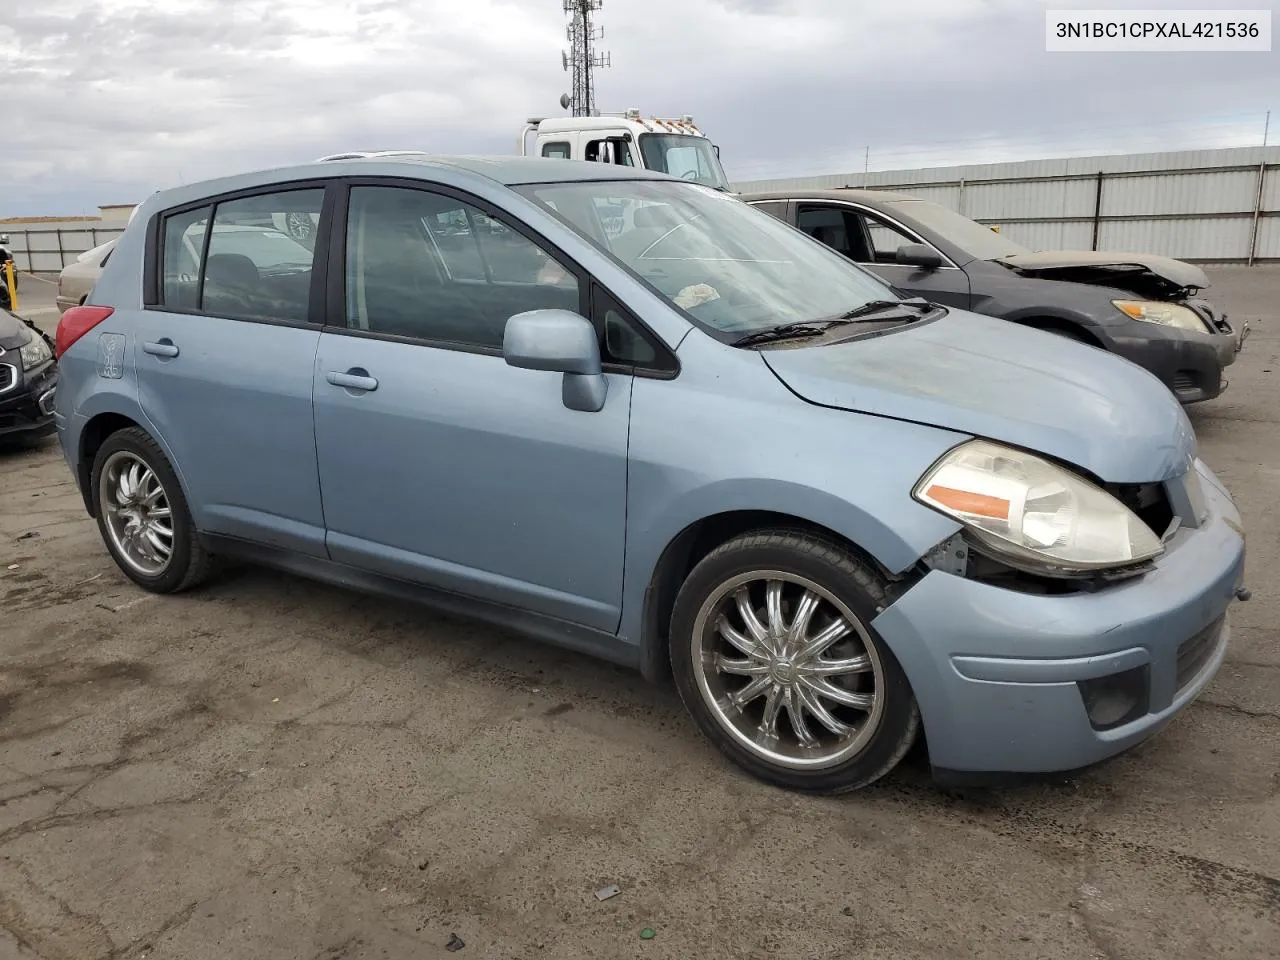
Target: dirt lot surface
268,768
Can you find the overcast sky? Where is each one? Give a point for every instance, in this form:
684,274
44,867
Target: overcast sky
107,101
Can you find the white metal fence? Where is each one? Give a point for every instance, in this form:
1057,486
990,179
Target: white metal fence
1205,205
47,247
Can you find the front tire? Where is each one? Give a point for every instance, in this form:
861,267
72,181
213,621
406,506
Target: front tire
143,515
774,655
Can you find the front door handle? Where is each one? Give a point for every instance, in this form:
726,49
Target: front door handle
356,378
161,348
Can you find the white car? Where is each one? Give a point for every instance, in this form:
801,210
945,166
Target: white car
77,278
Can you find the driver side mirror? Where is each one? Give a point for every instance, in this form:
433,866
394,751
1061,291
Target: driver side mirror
918,255
559,341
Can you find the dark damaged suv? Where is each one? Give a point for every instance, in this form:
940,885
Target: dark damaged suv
1145,308
28,376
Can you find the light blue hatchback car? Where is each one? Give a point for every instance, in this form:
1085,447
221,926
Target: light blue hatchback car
637,417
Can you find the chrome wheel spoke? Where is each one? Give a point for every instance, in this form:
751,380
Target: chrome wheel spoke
742,668
847,698
750,619
154,493
160,513
821,713
742,644
795,713
837,630
805,610
158,545
740,698
769,719
773,608
833,668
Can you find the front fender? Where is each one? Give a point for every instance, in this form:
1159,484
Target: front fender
699,450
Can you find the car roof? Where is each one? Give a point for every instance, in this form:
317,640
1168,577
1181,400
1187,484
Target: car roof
837,193
511,171
508,171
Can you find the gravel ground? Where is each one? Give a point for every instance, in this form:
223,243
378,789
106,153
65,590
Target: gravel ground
269,768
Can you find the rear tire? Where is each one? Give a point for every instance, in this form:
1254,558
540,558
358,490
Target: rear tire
774,655
143,515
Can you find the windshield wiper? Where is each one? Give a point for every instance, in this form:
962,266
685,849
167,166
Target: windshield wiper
784,331
914,305
872,309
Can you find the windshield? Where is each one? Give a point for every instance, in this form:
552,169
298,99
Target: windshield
981,243
686,157
733,269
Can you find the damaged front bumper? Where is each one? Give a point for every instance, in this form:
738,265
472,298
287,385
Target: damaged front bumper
1017,682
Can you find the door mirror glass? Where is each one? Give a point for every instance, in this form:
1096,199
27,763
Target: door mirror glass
562,342
918,255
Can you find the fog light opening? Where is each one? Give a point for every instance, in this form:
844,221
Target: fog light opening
1117,699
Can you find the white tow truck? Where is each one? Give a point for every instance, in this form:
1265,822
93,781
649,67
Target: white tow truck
673,146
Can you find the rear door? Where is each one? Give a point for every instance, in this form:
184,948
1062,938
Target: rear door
224,354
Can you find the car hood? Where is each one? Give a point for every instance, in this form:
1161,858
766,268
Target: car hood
1111,268
994,379
14,331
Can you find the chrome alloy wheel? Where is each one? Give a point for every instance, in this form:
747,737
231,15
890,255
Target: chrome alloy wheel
788,670
137,513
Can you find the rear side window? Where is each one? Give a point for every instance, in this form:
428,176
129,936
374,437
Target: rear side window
183,247
251,261
558,150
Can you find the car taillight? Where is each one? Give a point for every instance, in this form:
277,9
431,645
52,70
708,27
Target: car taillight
75,323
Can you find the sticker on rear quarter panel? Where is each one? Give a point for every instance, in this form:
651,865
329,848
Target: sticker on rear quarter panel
111,356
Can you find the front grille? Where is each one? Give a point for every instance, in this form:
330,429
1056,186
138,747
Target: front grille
1182,380
8,376
1196,651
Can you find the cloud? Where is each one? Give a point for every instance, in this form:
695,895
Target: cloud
108,102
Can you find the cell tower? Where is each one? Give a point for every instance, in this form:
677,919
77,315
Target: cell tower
581,56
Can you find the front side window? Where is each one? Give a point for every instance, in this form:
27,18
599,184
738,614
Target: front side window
838,228
885,238
733,269
431,267
683,156
611,150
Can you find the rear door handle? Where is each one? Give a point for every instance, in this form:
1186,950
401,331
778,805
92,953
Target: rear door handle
354,379
161,348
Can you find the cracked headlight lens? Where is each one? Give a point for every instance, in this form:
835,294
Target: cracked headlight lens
34,352
1033,512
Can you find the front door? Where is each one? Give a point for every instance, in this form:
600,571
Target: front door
873,241
439,463
224,364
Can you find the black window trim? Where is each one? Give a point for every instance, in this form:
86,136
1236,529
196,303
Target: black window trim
153,263
335,313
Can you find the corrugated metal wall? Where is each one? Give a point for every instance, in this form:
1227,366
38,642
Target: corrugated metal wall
48,247
1206,205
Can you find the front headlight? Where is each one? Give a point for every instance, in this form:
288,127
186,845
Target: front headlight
1027,509
34,352
1169,314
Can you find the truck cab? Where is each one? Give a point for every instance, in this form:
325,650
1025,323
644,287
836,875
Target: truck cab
673,146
